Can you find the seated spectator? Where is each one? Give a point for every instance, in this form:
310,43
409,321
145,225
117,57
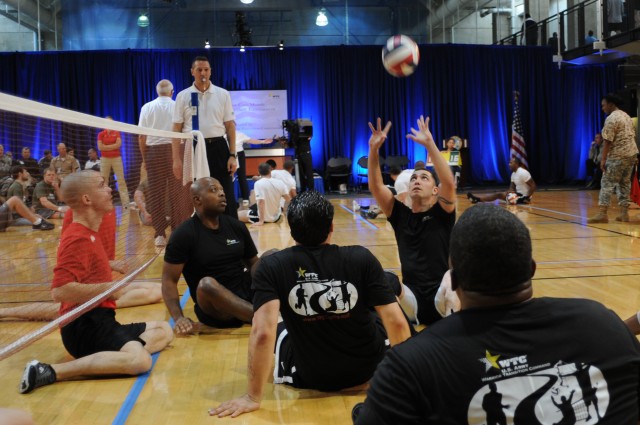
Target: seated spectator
7,215
553,42
330,337
94,162
45,161
21,179
30,164
64,164
457,166
520,191
507,357
590,38
5,163
46,198
241,139
268,193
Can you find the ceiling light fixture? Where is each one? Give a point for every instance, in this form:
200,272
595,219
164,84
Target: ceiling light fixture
206,44
246,1
143,20
242,48
322,20
281,45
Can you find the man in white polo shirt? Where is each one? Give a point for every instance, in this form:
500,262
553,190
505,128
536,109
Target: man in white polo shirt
269,192
215,118
156,154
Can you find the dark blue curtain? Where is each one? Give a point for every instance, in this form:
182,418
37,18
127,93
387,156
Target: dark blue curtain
466,90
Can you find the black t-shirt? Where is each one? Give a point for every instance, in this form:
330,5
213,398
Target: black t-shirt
545,361
216,253
423,243
326,294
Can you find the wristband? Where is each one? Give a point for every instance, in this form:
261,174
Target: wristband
235,155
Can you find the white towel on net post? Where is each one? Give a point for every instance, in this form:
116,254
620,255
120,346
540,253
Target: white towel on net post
195,164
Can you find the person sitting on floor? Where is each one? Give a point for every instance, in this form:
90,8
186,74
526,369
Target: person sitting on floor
330,337
99,344
520,191
268,193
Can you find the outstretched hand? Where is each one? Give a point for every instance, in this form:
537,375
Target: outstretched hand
422,135
378,134
236,407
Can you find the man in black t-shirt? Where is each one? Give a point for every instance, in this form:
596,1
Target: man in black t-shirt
215,254
330,337
506,357
422,231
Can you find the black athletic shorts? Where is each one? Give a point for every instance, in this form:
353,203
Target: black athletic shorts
254,217
97,330
244,292
285,371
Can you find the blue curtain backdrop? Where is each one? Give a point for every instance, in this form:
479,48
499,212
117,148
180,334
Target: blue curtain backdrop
466,90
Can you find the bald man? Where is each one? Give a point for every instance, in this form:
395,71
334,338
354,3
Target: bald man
215,253
99,344
64,164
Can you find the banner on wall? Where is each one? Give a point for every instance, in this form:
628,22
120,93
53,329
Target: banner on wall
259,113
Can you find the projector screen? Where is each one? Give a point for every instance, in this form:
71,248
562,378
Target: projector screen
259,113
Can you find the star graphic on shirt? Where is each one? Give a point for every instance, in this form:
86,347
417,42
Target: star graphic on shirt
489,361
301,272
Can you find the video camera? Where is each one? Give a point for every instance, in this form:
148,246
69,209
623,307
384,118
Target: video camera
300,131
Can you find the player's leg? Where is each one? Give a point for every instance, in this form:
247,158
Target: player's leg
33,311
221,304
18,206
140,293
486,197
633,323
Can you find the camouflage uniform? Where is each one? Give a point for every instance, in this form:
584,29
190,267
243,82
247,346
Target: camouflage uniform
618,129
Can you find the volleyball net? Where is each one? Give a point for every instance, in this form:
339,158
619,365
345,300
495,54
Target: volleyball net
148,200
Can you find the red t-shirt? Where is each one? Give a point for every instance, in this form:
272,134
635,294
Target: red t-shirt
82,259
107,231
108,137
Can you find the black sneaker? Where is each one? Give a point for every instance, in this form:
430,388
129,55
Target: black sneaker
355,412
44,225
36,375
472,198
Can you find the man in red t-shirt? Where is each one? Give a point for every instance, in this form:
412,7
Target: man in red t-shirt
99,344
109,142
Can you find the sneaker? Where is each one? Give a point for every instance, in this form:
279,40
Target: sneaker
160,241
472,198
36,375
44,225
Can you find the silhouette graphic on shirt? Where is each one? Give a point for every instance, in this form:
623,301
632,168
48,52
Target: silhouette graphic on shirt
568,414
492,405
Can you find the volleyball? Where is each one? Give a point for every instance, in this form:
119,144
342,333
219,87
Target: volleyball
400,56
512,198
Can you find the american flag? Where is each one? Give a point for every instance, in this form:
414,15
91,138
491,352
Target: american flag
518,145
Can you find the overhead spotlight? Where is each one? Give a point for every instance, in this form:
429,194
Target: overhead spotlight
206,44
242,48
246,1
281,45
143,20
322,20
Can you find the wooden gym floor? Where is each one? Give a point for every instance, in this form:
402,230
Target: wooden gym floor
600,262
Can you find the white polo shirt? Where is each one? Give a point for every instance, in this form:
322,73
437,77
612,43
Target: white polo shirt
214,109
272,191
240,139
157,114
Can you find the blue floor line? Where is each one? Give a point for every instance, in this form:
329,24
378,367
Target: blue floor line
138,385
